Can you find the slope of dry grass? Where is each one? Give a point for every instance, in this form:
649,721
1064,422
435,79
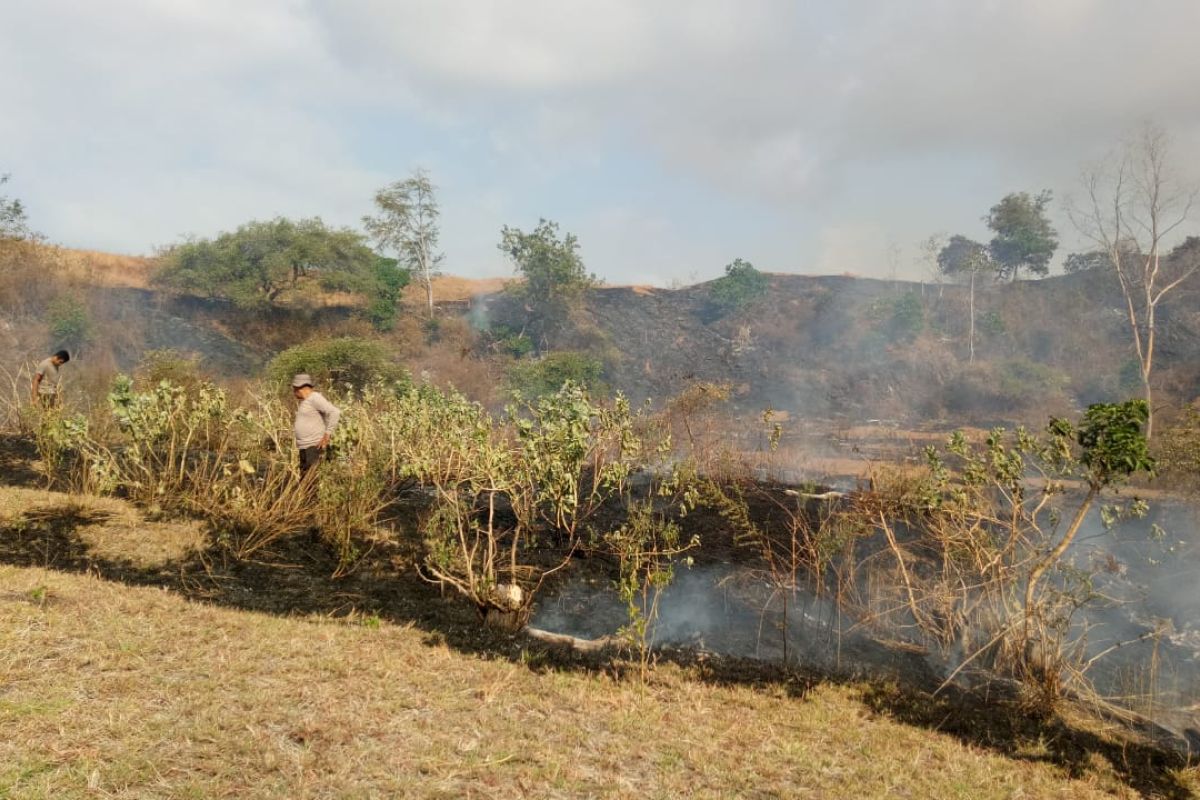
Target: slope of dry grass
108,269
109,690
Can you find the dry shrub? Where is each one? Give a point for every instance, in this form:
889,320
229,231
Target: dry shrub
251,508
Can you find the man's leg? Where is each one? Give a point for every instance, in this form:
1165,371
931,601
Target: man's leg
309,456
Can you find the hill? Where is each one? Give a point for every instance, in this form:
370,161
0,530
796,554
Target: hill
854,348
840,349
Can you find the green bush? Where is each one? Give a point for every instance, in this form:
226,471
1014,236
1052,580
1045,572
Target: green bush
741,285
346,361
510,341
388,280
548,374
1019,379
70,322
991,323
1012,385
898,317
908,316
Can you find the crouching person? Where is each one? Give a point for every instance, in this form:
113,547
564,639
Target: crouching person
316,419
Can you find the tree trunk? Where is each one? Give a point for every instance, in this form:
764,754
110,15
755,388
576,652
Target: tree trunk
1149,404
1053,556
971,344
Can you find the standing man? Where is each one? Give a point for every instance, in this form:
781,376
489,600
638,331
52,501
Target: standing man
46,378
316,418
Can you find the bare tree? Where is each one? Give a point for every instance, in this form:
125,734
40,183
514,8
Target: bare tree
407,224
1134,201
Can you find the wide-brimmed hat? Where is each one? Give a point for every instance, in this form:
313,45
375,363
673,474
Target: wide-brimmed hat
302,379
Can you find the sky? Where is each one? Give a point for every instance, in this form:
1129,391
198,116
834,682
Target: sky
671,136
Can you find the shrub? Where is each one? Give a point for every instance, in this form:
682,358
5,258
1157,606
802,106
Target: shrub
991,323
349,361
388,280
1179,450
70,322
548,374
907,317
510,341
169,365
741,285
1013,385
1020,380
898,318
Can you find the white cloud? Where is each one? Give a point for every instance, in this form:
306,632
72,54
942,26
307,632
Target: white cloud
137,120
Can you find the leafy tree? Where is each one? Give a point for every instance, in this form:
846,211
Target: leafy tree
1114,448
963,257
555,277
388,279
1024,238
741,285
253,265
14,222
407,225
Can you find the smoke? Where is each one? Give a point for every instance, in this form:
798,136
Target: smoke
1142,619
732,611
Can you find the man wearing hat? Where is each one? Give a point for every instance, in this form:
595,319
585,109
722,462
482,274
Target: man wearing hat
316,418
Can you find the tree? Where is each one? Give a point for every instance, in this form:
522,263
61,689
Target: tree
1113,449
389,280
1134,203
741,285
554,273
963,257
253,265
14,223
407,225
1024,236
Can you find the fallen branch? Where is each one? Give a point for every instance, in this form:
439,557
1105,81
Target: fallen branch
830,495
574,642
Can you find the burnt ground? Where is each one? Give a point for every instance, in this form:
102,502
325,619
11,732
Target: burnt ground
62,533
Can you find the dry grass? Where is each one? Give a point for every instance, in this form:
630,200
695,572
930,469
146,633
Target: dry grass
449,288
108,269
108,690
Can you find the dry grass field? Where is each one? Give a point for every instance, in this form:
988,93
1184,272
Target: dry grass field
111,689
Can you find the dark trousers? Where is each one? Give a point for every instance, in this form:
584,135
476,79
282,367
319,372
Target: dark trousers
309,456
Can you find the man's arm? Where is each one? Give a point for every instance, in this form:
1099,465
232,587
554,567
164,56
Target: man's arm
37,381
330,413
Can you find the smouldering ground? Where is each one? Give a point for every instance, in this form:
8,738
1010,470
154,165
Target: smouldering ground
112,690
